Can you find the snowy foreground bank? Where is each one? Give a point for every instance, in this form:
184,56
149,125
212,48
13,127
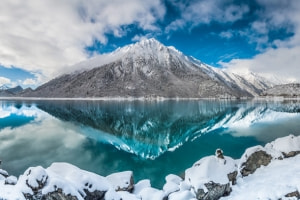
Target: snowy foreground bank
270,172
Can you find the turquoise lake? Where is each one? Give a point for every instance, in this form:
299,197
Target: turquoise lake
153,139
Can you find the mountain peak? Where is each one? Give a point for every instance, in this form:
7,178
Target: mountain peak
149,42
144,46
4,87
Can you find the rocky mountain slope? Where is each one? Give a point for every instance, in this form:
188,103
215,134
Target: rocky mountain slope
149,69
291,90
10,92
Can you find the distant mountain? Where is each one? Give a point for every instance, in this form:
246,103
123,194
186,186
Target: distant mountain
15,90
5,91
286,90
150,69
3,87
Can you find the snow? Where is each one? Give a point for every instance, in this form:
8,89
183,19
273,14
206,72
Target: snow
170,187
112,195
250,151
3,172
210,169
274,181
151,193
173,178
9,192
11,180
139,186
286,144
188,195
120,180
79,177
127,196
172,184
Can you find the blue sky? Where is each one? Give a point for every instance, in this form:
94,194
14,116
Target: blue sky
36,45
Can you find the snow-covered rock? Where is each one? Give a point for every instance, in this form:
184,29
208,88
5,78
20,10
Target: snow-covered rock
252,159
257,156
151,193
11,180
139,186
3,173
289,145
122,181
209,176
274,181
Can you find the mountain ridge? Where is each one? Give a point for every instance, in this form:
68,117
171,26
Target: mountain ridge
148,69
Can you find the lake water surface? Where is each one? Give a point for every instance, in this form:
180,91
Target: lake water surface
153,139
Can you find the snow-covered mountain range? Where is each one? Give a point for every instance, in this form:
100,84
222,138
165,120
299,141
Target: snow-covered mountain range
150,69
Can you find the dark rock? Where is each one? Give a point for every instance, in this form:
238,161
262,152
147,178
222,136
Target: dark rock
96,195
219,153
36,196
58,195
232,177
254,162
293,194
290,154
215,191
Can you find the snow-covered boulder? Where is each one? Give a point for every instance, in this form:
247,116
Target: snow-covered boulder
35,178
139,186
258,156
82,182
122,181
11,180
151,194
172,184
209,177
3,173
289,146
180,195
254,158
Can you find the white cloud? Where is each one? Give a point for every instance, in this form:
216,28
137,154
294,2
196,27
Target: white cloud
227,34
205,12
281,59
29,81
137,38
46,35
4,81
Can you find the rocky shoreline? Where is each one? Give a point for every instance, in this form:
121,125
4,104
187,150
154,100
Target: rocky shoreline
210,178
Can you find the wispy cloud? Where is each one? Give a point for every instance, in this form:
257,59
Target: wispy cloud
29,81
4,81
279,57
205,12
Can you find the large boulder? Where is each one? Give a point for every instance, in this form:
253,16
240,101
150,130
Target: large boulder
122,181
289,146
58,195
212,176
253,159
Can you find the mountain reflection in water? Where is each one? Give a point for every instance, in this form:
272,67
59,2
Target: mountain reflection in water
151,138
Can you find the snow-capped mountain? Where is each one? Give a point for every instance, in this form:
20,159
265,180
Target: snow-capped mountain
6,91
291,90
150,69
